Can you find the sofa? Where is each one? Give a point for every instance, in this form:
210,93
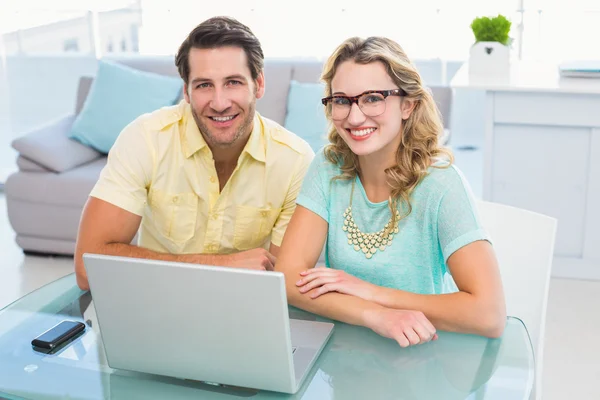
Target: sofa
45,197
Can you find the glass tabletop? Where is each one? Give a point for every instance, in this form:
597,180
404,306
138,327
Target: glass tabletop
355,364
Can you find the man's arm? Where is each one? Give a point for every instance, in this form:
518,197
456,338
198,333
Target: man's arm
108,229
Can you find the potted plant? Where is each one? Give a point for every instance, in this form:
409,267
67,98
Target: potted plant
490,53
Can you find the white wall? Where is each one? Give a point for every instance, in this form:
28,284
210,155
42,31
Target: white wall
6,153
43,88
4,94
468,120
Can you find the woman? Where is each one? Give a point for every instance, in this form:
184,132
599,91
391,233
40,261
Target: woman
398,218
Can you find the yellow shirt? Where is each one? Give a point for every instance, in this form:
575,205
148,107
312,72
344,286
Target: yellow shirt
161,168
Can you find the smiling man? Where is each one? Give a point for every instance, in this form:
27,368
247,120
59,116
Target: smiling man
208,181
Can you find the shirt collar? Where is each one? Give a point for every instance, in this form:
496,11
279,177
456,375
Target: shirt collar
256,142
194,141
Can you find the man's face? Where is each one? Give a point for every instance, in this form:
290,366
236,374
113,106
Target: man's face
222,94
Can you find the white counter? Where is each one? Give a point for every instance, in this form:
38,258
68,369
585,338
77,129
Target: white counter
542,153
526,77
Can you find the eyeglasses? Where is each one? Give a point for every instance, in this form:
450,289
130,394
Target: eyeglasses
371,103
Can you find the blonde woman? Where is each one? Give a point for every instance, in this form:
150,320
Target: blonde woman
405,251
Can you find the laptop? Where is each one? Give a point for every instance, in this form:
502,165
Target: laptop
219,325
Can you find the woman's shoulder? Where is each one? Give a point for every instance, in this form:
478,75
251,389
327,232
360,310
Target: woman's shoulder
325,164
443,176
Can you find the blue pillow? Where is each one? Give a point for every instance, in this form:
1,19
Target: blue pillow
120,94
306,114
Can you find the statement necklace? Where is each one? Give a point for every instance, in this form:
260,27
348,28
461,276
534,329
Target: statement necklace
368,243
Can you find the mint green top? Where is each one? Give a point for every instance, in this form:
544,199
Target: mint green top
443,219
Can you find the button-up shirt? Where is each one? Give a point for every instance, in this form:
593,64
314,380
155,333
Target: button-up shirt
161,169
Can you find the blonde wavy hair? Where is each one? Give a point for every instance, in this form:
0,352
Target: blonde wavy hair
420,132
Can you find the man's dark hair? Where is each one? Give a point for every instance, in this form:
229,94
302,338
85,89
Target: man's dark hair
219,32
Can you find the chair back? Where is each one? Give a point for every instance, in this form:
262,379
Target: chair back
524,245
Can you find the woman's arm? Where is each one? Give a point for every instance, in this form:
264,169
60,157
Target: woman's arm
300,250
477,308
479,305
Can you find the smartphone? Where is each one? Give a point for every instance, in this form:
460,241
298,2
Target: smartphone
58,334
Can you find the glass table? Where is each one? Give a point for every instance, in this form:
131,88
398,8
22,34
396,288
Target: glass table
355,364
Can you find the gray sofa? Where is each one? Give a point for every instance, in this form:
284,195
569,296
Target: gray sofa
55,174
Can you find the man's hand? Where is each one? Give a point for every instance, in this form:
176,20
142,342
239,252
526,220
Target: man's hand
404,326
257,259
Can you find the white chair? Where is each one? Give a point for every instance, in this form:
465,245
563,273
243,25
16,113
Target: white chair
524,244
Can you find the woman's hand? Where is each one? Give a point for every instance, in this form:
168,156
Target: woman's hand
404,326
334,280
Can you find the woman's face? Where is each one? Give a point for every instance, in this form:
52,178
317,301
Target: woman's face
367,135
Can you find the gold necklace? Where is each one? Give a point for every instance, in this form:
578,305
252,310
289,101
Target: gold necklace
368,243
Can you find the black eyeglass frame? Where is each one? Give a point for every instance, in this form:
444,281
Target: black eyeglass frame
354,99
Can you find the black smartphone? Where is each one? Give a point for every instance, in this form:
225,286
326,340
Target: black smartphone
58,334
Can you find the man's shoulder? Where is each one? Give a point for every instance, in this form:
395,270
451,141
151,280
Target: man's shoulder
158,120
152,128
283,138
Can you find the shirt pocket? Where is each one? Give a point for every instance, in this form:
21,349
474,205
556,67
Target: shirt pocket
174,214
253,226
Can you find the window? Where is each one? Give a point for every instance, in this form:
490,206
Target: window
541,29
135,45
31,27
71,45
313,28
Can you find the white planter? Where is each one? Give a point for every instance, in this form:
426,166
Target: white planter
489,58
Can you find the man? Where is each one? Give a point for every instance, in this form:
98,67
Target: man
209,180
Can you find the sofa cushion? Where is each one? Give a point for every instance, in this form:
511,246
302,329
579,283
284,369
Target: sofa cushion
69,189
85,83
277,84
305,114
307,71
163,65
118,95
25,164
50,147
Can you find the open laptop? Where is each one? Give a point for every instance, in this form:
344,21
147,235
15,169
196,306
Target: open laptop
219,325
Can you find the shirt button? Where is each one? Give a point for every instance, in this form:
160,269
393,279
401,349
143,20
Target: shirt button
175,199
215,216
264,213
213,179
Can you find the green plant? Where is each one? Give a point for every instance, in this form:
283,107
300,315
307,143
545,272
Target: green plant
494,29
